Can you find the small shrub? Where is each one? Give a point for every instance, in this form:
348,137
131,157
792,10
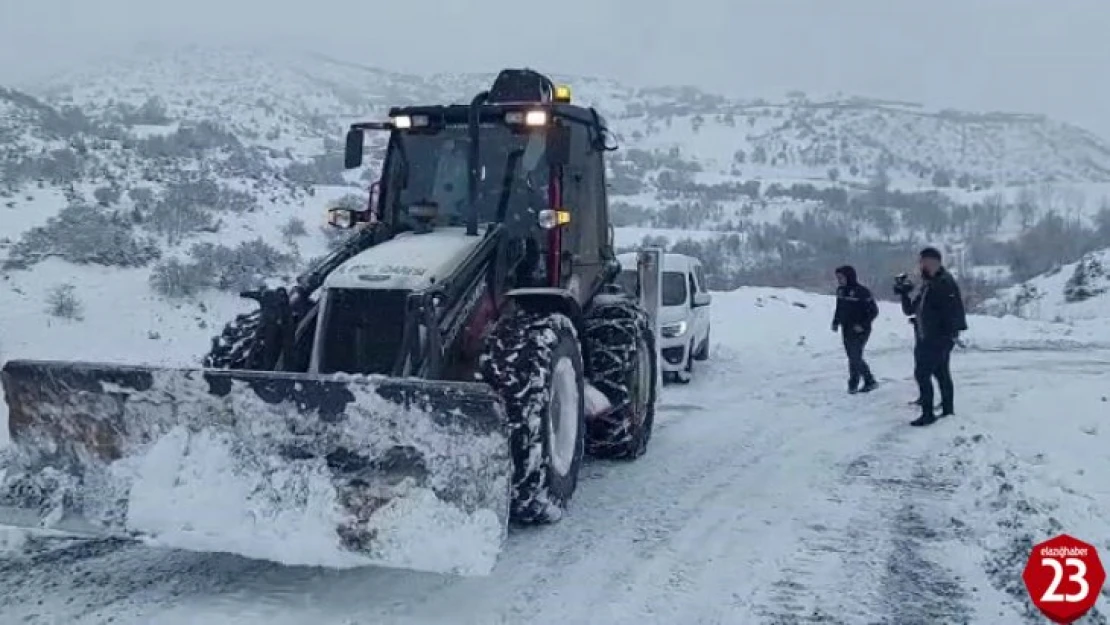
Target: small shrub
107,196
84,235
295,227
177,221
237,269
1084,283
321,170
142,197
62,302
209,195
175,279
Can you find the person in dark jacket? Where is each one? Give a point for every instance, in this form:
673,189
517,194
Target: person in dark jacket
938,310
855,311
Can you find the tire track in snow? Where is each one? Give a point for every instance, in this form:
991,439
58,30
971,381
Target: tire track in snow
716,559
671,559
1018,517
618,531
868,559
887,554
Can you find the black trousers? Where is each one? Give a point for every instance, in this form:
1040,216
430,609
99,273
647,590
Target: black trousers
930,359
854,342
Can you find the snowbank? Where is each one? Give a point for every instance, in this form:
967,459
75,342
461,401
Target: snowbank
775,323
1077,291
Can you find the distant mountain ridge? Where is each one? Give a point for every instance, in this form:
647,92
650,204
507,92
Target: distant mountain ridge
311,96
168,150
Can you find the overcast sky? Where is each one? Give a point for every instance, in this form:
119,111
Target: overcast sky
1050,56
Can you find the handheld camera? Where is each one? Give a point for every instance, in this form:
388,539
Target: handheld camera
902,284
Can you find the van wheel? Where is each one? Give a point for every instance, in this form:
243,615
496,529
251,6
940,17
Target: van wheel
687,374
703,352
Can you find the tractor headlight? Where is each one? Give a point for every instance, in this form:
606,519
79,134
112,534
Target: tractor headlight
673,330
404,122
529,118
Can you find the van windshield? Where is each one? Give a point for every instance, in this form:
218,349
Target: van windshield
674,288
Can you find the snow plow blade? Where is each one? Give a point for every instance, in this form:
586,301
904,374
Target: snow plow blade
304,469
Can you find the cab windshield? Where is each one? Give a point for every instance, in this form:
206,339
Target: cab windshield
431,168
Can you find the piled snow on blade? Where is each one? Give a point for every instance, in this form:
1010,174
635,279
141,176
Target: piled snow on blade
337,471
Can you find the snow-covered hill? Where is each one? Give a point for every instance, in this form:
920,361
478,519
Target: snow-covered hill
168,163
776,190
294,100
1079,290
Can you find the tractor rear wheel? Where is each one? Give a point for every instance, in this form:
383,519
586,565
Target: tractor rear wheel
621,363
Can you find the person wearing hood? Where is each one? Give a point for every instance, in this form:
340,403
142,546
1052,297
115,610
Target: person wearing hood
856,310
938,313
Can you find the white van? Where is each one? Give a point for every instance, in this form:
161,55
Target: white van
683,314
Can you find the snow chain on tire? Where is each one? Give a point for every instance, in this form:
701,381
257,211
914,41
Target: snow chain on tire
616,328
232,348
518,362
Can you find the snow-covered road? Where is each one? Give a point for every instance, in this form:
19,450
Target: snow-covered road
768,496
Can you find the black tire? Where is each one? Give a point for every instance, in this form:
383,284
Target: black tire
232,348
687,374
519,361
618,341
703,353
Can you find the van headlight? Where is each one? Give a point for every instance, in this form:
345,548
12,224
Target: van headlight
673,330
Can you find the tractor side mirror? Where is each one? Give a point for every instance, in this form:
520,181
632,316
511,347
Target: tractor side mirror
353,155
558,145
345,218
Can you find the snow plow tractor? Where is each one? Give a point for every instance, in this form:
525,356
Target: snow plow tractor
437,377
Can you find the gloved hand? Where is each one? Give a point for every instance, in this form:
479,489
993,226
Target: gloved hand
835,326
956,340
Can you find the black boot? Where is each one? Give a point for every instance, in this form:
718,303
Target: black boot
927,418
869,386
947,411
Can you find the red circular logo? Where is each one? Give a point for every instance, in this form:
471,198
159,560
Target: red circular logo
1064,577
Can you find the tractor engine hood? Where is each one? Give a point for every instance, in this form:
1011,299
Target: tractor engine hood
408,261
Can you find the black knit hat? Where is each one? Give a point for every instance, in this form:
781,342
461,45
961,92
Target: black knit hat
931,252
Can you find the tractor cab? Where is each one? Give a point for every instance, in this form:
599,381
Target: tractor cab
519,156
